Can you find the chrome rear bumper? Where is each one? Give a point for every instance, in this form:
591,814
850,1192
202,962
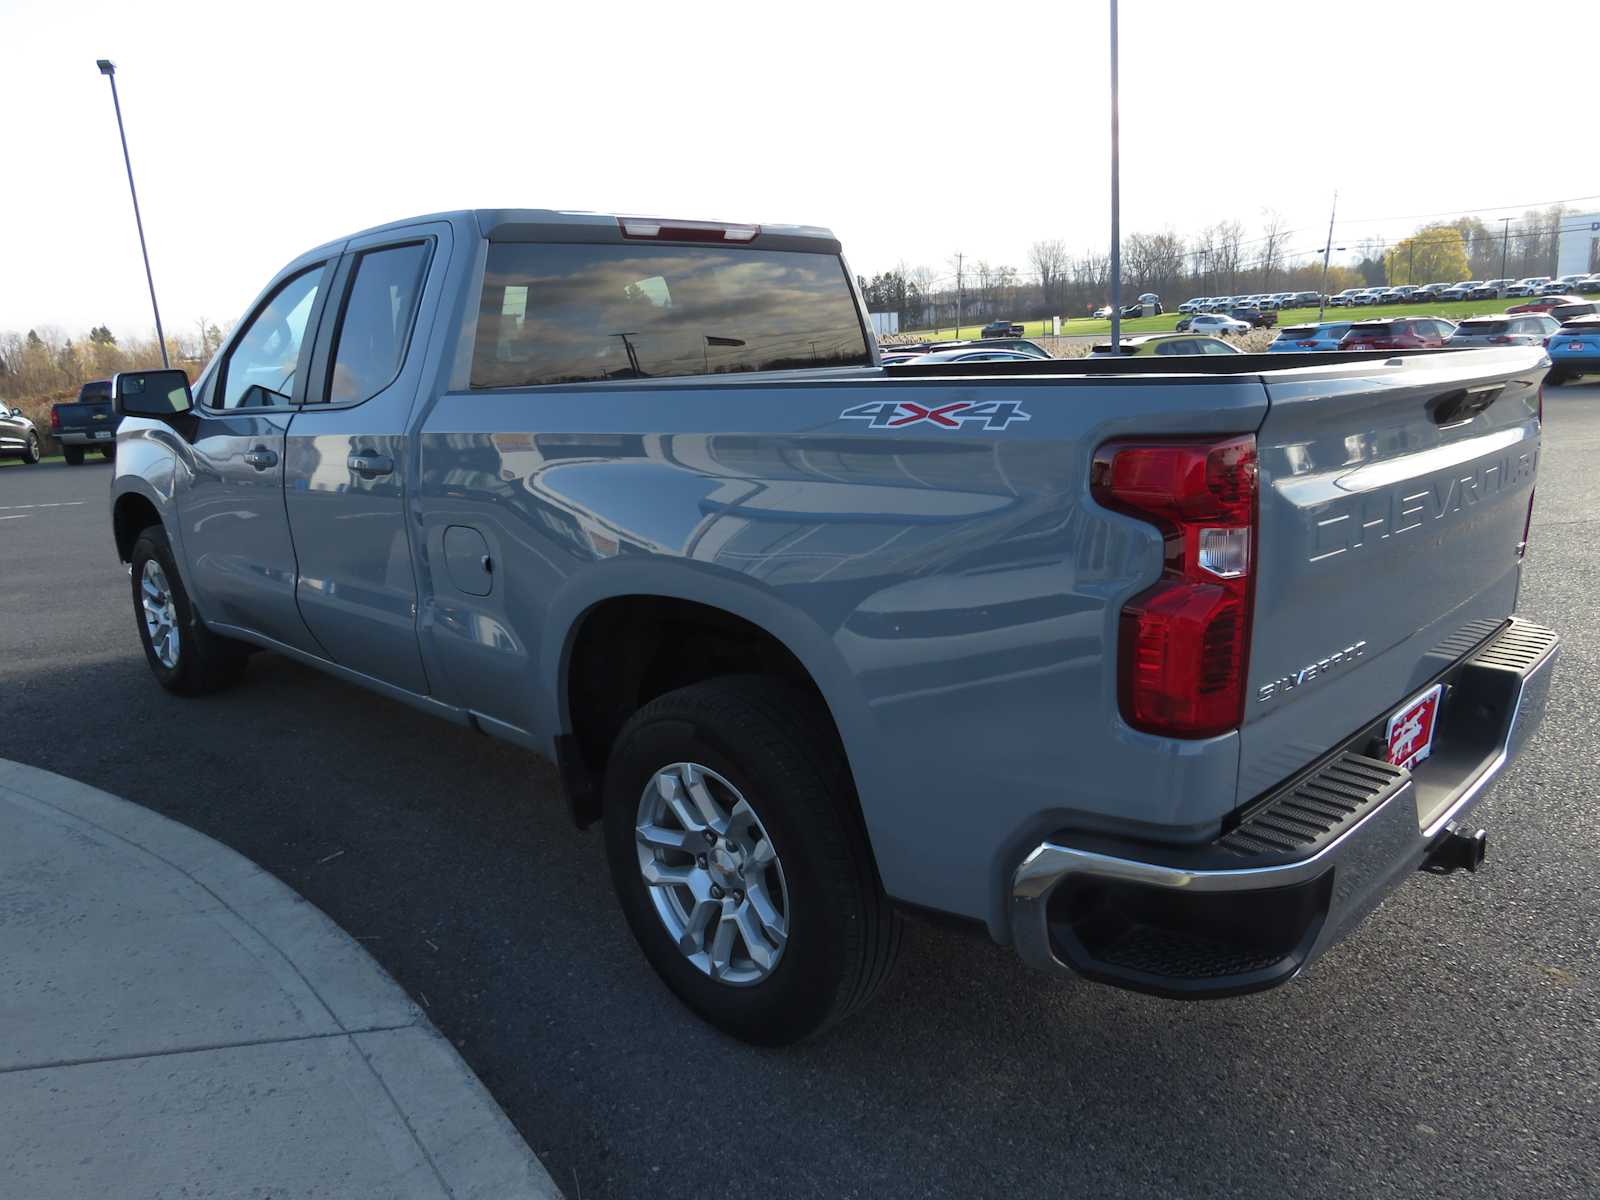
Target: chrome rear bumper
1305,866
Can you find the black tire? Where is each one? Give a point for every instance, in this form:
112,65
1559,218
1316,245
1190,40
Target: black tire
73,455
205,661
1556,378
770,740
108,452
30,450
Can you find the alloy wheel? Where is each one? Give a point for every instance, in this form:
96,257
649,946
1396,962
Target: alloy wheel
160,614
712,874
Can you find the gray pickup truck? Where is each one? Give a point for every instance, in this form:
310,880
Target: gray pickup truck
1162,671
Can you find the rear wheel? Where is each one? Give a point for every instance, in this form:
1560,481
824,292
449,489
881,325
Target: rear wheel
73,455
185,656
740,860
30,449
1556,378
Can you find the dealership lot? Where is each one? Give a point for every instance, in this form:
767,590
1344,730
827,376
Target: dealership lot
1450,1039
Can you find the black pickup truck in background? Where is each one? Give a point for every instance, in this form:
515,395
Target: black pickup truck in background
89,423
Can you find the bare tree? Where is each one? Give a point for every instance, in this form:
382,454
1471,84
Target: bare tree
1049,262
1274,234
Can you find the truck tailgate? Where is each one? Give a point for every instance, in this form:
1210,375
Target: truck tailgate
1394,497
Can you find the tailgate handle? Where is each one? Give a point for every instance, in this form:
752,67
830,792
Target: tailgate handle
1463,404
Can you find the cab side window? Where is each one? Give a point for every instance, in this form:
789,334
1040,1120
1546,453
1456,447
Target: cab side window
260,368
370,342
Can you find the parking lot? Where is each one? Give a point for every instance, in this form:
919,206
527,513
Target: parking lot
1447,1047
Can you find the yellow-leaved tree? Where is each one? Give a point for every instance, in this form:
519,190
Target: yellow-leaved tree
1434,254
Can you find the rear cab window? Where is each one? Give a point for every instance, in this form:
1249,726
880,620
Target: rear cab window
588,313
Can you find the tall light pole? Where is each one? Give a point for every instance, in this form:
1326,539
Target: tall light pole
1116,198
1505,243
1327,250
109,70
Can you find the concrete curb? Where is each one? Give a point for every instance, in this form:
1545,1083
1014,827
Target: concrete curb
93,991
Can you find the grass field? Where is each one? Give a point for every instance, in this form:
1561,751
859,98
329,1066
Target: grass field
17,462
1084,327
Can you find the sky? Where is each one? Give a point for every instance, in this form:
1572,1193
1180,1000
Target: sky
260,130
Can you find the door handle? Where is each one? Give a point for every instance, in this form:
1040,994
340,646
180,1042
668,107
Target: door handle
261,458
370,466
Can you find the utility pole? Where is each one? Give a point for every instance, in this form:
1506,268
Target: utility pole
109,70
1116,198
960,259
1327,249
1505,243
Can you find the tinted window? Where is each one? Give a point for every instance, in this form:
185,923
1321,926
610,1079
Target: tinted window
579,313
1214,347
259,370
1481,328
377,321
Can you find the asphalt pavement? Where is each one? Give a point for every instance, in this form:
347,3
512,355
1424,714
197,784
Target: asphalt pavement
1449,1047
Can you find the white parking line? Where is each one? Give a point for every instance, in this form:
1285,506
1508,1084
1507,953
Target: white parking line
18,517
57,504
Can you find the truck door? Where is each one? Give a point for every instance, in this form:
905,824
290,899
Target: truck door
349,458
234,535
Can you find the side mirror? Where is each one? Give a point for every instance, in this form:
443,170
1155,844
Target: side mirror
159,394
16,412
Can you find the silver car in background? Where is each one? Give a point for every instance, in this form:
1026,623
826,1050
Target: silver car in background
1523,329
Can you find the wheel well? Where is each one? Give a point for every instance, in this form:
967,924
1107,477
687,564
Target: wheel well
132,515
631,649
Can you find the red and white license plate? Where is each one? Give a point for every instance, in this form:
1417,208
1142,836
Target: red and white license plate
1576,346
1410,732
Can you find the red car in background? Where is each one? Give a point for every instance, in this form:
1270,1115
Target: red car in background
1568,306
1398,333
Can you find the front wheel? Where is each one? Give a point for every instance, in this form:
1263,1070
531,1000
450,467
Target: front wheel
185,656
740,860
30,451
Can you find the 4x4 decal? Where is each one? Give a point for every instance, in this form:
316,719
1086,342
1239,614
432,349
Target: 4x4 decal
896,414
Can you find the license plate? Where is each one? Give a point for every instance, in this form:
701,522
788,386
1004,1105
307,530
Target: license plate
103,434
1576,346
1410,732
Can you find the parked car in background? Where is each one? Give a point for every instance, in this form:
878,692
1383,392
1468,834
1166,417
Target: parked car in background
1429,291
1459,291
1000,329
1103,312
1551,289
1396,295
18,437
1589,284
1397,333
1302,338
1489,289
1020,345
1562,308
1307,299
1570,282
973,355
1367,296
1164,344
89,423
1574,350
1189,306
1529,286
1216,323
1528,329
1258,318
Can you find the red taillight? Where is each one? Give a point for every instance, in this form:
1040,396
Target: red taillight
685,231
55,418
1184,643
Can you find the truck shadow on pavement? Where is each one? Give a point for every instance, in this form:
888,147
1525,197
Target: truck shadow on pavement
451,858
